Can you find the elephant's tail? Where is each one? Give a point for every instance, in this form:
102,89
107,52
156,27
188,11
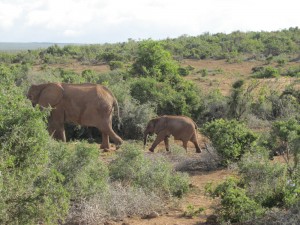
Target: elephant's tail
196,127
116,106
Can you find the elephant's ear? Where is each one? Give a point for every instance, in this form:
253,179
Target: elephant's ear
160,124
51,95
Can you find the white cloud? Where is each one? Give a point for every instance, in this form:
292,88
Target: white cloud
71,33
8,14
117,20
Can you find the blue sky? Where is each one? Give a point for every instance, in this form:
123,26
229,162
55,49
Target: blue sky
101,21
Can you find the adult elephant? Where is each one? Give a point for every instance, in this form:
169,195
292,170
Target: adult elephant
83,104
181,127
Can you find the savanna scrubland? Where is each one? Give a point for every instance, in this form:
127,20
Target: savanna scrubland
242,90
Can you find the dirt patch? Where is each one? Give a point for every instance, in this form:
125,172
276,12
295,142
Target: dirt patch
77,67
201,172
221,75
197,198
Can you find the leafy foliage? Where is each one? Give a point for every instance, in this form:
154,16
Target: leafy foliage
230,138
152,60
84,174
183,98
236,205
286,135
267,72
31,190
266,182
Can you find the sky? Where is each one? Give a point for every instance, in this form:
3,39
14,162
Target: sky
111,21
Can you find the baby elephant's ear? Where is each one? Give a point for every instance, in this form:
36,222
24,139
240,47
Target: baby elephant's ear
51,95
160,124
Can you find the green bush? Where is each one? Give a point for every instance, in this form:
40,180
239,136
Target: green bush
236,206
85,175
152,60
267,72
286,136
90,76
230,138
113,65
178,98
183,71
214,107
293,71
134,115
265,181
31,190
154,175
68,76
203,72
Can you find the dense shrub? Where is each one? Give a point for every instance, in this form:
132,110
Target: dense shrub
215,106
68,76
184,71
180,98
262,185
85,175
231,138
31,189
266,182
90,76
293,71
113,65
152,60
155,175
236,206
267,72
271,104
134,115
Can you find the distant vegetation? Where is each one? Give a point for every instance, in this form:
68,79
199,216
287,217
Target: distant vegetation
44,181
232,47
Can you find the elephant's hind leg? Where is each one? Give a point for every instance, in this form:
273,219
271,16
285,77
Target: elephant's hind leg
107,132
166,140
185,145
105,142
195,142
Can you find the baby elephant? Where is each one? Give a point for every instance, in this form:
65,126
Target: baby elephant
181,127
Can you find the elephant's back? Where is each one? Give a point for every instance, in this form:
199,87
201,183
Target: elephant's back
182,120
87,95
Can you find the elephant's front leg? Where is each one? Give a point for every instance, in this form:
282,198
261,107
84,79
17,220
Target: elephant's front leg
166,140
185,143
56,126
105,141
57,131
160,137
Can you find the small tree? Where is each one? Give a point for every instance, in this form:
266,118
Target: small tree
287,133
152,60
241,99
